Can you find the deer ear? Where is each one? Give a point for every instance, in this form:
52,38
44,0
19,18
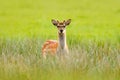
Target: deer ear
68,22
54,22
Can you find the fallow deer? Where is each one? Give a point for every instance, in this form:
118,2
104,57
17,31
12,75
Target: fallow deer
59,47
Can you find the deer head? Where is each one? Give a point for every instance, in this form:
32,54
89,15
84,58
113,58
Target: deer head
61,25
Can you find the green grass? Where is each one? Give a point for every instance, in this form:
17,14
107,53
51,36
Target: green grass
21,60
93,38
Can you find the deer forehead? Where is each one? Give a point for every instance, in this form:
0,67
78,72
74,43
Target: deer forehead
61,24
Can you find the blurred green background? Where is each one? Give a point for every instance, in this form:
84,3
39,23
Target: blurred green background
91,19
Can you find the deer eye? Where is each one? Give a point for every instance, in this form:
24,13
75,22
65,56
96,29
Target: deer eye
58,26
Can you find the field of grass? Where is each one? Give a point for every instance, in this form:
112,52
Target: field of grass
93,38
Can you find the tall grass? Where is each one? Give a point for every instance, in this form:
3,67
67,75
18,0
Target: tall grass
21,60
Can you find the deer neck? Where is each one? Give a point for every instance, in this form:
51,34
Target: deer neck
62,40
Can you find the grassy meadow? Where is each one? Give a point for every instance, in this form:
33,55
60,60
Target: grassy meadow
93,38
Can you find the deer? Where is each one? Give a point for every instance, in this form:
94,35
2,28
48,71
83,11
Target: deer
57,47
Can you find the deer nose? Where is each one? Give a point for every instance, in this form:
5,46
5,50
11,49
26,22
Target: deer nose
61,31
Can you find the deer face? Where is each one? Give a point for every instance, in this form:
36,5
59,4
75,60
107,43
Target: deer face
61,25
